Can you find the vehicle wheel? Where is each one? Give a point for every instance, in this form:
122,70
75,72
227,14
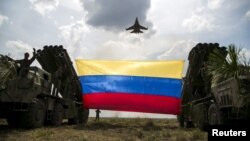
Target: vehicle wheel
188,124
35,115
73,121
200,117
213,115
201,123
57,115
83,115
181,120
81,118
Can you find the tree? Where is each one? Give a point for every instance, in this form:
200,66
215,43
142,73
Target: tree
221,66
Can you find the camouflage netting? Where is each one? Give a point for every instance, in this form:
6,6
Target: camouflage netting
7,70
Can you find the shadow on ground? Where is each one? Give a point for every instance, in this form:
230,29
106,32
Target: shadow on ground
6,130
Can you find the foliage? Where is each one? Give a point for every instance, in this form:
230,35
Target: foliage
232,65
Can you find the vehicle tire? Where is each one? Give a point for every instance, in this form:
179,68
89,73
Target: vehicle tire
201,123
83,115
181,120
57,115
34,117
200,117
213,115
74,120
188,124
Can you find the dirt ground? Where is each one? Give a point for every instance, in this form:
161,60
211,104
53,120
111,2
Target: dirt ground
107,129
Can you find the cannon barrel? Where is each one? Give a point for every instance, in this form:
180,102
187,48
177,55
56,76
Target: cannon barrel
55,57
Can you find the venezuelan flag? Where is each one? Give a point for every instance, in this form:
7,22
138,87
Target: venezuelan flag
139,86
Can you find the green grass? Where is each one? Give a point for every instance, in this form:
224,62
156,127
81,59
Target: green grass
107,129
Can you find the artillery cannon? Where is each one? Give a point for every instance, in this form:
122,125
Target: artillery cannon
204,103
44,96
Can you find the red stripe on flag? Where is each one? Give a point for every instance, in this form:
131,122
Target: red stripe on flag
132,102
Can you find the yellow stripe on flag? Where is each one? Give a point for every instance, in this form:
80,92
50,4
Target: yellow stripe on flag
164,69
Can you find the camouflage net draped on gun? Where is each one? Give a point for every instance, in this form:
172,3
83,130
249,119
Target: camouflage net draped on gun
7,70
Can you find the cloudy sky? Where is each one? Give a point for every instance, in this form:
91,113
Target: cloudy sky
95,29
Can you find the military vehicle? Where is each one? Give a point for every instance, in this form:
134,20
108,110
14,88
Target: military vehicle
43,97
205,103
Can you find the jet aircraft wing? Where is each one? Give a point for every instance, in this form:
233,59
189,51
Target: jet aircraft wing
130,28
142,27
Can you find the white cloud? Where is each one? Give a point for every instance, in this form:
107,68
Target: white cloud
246,53
44,6
3,19
199,23
75,5
124,46
74,32
18,48
167,15
247,15
120,50
180,49
215,4
128,46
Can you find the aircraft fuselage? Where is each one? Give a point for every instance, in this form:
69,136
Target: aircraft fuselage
136,27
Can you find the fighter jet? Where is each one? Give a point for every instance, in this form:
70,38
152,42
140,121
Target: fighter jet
136,27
